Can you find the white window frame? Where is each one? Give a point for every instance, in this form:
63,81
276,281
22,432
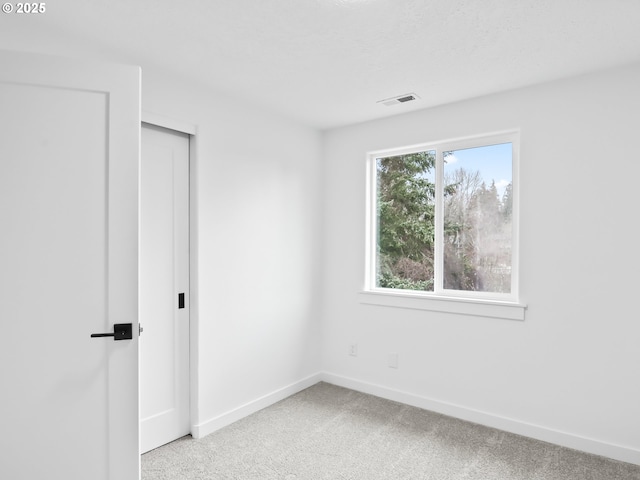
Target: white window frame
487,304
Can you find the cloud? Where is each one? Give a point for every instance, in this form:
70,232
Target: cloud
500,184
450,159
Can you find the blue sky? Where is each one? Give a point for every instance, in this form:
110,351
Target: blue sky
493,162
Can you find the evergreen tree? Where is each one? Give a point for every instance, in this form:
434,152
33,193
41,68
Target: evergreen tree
406,194
507,202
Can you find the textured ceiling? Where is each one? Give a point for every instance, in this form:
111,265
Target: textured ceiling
327,62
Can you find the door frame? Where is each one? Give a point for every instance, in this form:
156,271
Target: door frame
190,130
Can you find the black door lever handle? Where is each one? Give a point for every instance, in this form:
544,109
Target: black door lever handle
121,331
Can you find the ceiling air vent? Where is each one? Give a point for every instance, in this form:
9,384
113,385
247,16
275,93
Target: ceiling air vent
407,97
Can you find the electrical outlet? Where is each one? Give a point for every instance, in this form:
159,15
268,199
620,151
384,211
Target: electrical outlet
393,360
353,349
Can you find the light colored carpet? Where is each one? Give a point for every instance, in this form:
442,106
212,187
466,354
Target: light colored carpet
328,432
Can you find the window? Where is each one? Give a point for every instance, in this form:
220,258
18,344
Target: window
443,220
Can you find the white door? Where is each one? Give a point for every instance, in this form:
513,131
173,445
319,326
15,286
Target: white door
69,155
164,287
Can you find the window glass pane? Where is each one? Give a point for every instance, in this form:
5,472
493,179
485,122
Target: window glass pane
477,219
406,221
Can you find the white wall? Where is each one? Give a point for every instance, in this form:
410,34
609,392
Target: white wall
256,207
569,373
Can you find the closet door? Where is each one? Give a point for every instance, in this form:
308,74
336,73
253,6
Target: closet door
164,287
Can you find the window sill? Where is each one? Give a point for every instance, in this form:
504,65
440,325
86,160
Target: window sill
462,306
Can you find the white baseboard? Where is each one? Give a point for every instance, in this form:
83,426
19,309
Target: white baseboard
545,434
589,445
227,418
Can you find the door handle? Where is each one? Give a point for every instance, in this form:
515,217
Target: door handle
121,331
